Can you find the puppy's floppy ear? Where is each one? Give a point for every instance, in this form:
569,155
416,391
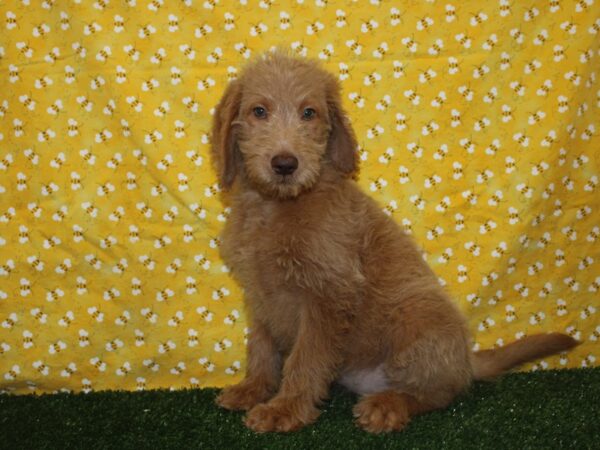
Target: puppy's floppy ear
342,145
223,140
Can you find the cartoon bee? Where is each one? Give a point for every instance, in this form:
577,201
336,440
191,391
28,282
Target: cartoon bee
139,339
105,189
544,88
441,152
395,16
136,286
412,96
222,345
434,233
486,324
429,128
176,320
573,77
457,172
473,248
11,20
481,124
455,118
124,369
375,131
149,315
436,47
96,314
84,340
569,27
544,240
147,262
487,227
583,212
468,145
63,267
230,21
85,103
118,23
191,286
372,79
521,289
490,42
113,345
91,29
537,220
559,53
132,52
120,266
34,209
158,189
404,175
77,233
33,261
381,50
463,275
480,71
146,31
588,132
532,66
463,39
233,368
499,250
166,347
427,76
81,285
155,5
591,184
171,214
111,294
369,26
27,101
410,44
173,266
153,137
213,58
198,210
491,95
123,319
425,23
98,364
517,88
152,365
25,49
93,261
311,29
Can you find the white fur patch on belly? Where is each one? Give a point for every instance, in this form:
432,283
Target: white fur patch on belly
365,381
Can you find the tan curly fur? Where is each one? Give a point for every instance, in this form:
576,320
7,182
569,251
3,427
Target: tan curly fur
335,291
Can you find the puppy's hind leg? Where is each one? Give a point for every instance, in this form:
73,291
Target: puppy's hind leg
387,411
422,376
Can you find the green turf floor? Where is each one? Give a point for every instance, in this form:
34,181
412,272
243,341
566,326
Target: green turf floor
542,410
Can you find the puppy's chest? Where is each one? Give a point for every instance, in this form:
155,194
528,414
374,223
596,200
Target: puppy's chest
267,239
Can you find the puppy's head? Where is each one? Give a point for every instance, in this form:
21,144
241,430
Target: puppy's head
279,124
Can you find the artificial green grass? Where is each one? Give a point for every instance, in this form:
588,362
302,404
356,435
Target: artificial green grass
542,410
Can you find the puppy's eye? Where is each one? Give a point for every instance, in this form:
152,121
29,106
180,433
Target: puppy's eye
260,112
308,113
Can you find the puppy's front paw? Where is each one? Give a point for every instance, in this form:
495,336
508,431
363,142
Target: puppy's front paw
243,396
280,415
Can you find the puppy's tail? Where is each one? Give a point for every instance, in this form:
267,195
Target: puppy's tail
490,363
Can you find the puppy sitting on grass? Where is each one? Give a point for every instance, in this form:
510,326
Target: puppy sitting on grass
335,290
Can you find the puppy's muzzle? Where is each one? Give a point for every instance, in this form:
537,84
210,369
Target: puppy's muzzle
284,164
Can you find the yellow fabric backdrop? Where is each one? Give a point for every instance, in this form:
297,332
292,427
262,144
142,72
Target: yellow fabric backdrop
479,131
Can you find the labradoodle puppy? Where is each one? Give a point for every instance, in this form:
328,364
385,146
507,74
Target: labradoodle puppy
335,291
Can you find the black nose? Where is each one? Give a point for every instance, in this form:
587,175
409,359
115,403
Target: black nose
284,164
